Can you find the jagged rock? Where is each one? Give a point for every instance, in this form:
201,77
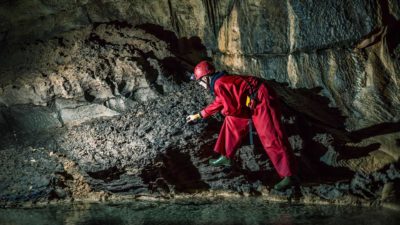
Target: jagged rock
72,112
80,114
27,174
28,119
390,195
61,104
3,124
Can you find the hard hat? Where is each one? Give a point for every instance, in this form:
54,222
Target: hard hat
202,69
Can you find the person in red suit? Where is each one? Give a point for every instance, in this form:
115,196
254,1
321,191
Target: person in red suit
246,100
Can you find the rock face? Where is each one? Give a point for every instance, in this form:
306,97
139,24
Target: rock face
93,95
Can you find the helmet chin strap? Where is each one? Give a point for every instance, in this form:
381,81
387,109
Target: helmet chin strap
206,83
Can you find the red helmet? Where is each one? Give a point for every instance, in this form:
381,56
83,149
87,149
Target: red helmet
202,69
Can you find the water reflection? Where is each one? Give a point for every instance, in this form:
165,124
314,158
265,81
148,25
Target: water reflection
206,212
284,219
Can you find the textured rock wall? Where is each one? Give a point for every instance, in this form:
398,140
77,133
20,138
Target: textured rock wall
305,43
94,72
348,48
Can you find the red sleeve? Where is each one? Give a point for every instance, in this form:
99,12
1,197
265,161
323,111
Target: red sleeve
212,108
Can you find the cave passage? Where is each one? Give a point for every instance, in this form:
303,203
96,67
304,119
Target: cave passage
94,97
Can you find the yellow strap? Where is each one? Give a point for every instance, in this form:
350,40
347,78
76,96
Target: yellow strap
197,116
248,101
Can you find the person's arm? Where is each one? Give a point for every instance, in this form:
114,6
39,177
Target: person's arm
212,108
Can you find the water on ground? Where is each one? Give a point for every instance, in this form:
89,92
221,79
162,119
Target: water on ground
224,212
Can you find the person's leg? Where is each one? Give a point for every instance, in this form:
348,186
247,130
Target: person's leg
232,131
266,119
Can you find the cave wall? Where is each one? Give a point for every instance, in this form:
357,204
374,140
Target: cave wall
304,43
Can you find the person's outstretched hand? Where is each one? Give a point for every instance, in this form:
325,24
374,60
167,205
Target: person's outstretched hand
193,118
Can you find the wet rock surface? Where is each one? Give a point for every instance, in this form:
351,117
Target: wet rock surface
203,211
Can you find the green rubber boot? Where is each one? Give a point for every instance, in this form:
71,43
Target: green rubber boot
286,183
221,161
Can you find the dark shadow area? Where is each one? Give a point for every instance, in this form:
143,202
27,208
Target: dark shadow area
94,38
158,31
310,104
254,163
107,175
6,132
388,32
175,170
375,130
88,97
187,51
357,152
319,127
152,74
213,125
175,69
179,171
393,27
116,23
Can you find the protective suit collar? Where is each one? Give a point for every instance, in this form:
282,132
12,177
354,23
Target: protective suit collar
214,78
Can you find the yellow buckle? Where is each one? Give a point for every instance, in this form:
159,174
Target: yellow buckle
248,100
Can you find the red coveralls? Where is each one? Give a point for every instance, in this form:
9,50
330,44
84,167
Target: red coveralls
231,92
